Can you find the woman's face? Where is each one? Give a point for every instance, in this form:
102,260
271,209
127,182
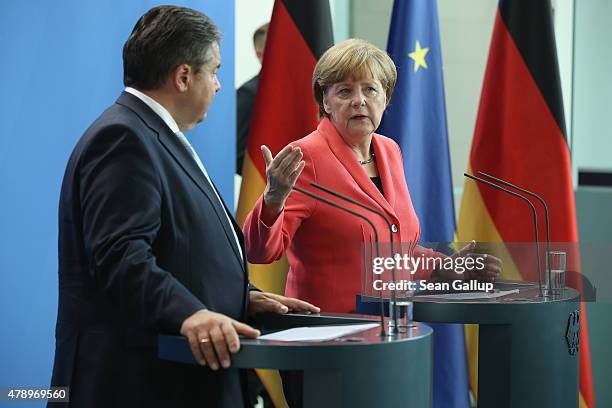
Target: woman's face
355,106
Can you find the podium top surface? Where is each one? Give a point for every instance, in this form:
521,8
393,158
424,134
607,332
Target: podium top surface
528,293
340,352
523,306
366,337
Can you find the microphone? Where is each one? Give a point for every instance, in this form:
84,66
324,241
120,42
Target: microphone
392,311
541,200
365,207
535,219
383,332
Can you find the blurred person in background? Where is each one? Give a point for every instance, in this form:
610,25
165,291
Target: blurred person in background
245,99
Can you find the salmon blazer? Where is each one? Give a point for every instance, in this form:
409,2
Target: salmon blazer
324,244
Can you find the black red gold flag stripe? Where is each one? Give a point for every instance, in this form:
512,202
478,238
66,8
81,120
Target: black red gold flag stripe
520,136
285,110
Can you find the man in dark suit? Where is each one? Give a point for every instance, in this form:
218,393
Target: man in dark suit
146,244
245,100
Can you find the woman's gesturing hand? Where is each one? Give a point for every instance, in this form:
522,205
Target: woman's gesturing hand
282,172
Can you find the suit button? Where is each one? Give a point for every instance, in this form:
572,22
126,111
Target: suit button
394,228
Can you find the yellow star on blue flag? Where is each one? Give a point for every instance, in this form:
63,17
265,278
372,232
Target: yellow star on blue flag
416,120
418,55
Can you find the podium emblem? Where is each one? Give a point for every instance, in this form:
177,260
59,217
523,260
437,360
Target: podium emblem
572,335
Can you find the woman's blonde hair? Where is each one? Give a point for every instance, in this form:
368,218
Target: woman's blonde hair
352,58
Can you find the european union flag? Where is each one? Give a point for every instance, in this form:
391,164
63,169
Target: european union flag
416,120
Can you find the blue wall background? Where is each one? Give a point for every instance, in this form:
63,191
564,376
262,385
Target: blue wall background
61,66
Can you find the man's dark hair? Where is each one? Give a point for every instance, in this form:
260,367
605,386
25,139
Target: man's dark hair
163,38
259,35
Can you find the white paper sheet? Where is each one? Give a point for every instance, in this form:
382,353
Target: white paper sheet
473,295
317,333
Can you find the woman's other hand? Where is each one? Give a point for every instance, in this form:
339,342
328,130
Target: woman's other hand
490,266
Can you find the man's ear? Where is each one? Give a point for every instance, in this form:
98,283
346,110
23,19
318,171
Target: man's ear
259,52
181,77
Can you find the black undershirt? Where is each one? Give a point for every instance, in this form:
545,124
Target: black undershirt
378,183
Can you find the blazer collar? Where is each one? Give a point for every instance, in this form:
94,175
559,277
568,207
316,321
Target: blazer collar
347,158
173,145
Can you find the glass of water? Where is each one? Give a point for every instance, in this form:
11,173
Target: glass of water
404,315
556,261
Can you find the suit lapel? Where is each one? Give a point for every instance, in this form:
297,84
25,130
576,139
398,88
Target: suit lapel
180,154
235,225
188,164
347,158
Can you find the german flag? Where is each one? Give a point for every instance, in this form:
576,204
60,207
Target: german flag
285,111
520,137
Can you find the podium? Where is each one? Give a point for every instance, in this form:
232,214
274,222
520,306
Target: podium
527,347
360,370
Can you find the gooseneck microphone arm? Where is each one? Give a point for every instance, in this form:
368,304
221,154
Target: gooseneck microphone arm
357,203
541,200
383,332
336,194
535,219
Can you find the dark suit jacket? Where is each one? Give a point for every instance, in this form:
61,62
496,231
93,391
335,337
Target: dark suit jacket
143,244
245,101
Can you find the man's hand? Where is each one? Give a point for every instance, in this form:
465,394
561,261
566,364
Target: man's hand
282,172
270,302
491,270
212,336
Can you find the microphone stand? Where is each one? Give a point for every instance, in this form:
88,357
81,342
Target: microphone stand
541,200
392,305
383,332
535,220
